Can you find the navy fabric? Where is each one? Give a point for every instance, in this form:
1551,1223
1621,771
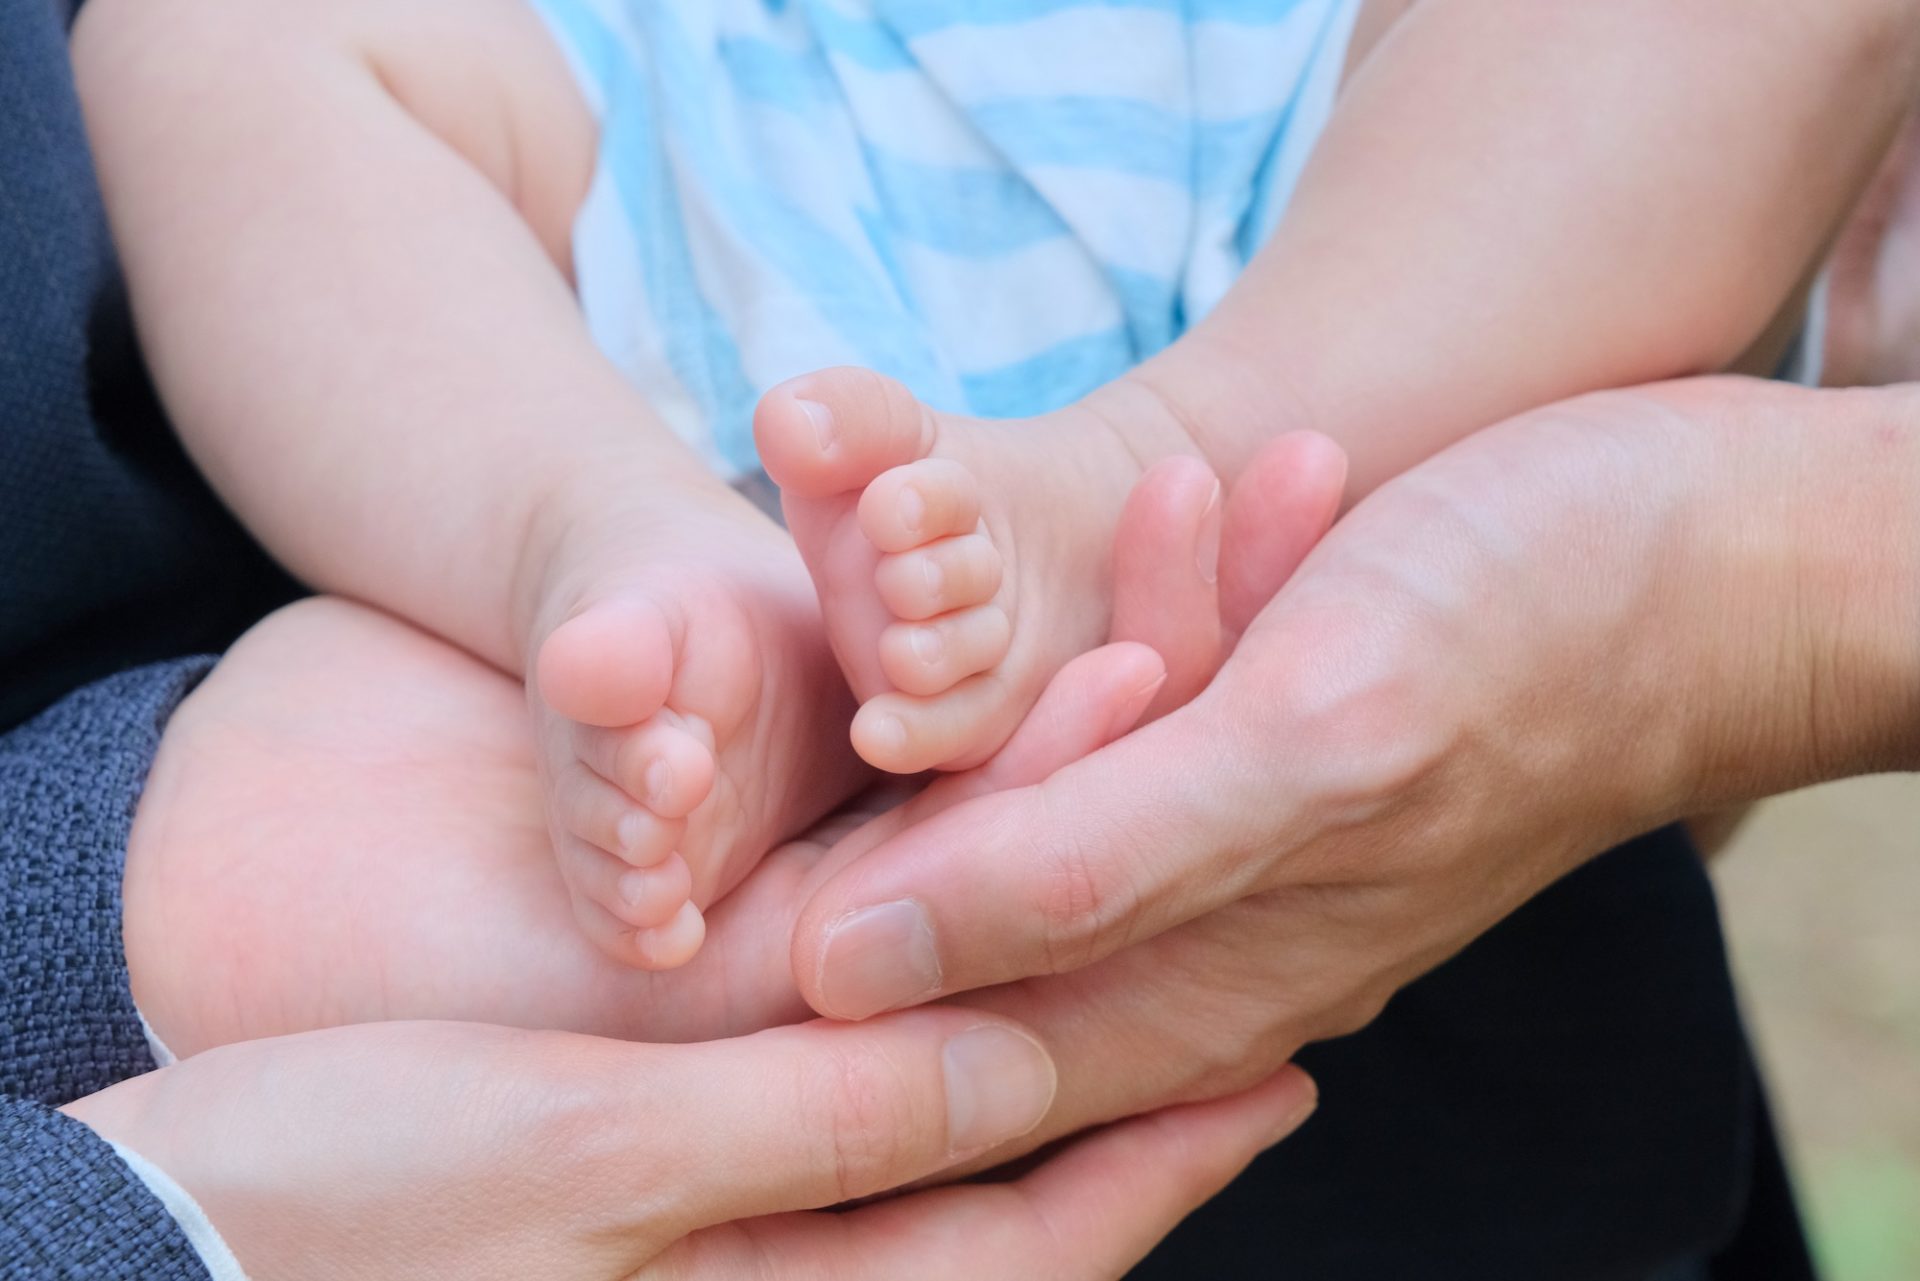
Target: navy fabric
71,1210
111,553
1569,1099
69,780
116,553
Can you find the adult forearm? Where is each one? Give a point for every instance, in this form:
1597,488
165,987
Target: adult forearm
1825,486
1516,202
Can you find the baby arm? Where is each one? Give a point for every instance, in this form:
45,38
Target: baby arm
1518,202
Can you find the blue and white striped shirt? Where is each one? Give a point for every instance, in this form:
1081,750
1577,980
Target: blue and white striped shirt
1002,203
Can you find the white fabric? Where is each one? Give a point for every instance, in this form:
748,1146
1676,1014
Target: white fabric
199,1230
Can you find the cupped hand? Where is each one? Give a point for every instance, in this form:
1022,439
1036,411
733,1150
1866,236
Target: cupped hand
1564,631
433,1150
344,826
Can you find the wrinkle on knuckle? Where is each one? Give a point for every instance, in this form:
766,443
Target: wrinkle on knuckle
867,1121
1087,899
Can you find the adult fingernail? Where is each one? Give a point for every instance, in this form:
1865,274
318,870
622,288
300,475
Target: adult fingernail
1207,554
878,958
1296,1116
821,420
1128,713
999,1085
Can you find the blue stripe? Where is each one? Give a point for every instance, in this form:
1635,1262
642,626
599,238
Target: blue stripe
980,213
1125,135
817,265
860,41
764,72
916,18
1057,376
690,166
703,354
1151,305
1271,188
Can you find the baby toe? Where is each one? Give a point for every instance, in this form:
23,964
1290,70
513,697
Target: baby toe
611,899
942,576
931,657
643,838
609,665
648,897
959,729
923,501
835,430
657,763
585,805
666,947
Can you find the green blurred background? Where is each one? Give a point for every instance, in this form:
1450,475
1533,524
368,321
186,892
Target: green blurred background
1821,892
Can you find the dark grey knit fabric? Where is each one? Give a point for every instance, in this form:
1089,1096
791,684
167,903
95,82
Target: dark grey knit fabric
69,780
71,1209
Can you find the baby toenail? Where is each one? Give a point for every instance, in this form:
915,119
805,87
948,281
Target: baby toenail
821,419
889,734
631,828
633,888
927,646
913,509
659,779
934,577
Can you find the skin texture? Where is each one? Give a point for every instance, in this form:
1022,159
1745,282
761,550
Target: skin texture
427,1150
342,824
1431,738
1425,727
435,1149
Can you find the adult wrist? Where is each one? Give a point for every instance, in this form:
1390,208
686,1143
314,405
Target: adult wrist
1813,582
1860,573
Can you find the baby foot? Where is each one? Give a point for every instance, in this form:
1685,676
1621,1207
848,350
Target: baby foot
690,718
961,563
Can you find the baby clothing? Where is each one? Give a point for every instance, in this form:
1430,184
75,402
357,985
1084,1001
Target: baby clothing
1002,203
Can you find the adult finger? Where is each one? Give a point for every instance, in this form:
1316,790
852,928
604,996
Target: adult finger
1166,559
1091,1211
808,1116
1094,699
1091,701
1162,826
1281,505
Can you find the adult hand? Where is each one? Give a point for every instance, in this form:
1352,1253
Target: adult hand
432,1150
344,825
1566,630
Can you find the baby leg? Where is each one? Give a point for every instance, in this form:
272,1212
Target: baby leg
346,226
